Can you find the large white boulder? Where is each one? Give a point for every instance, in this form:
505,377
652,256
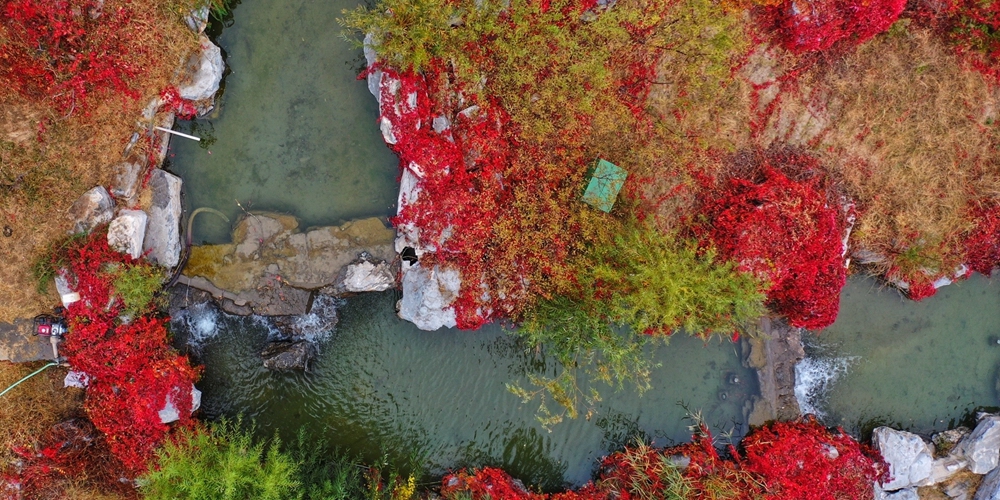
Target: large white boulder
163,237
910,459
127,231
428,296
982,447
202,73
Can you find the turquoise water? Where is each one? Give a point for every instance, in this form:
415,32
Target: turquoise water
295,130
381,384
919,365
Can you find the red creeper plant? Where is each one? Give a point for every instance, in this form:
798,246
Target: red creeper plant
132,370
813,26
784,231
65,50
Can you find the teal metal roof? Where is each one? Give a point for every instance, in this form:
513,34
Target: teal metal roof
607,181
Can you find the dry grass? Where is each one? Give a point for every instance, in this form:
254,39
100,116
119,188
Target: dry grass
911,134
31,408
40,180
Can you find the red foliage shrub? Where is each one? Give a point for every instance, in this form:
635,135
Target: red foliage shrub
133,371
490,483
982,243
811,26
972,27
67,452
783,230
65,50
804,460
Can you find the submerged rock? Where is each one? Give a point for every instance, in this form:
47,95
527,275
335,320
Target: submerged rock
320,320
908,456
91,209
774,356
288,355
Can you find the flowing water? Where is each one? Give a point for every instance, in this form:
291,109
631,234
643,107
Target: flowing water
921,366
295,130
381,384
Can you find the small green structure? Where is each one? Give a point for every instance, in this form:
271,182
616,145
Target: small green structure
607,181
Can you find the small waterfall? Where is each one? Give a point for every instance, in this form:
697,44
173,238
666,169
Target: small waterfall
814,377
200,321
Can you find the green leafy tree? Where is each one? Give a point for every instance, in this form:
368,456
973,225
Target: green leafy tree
222,462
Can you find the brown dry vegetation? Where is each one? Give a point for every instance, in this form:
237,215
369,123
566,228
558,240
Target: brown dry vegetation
39,180
31,408
910,133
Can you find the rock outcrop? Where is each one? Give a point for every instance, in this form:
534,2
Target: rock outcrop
428,295
127,231
774,356
163,237
908,456
91,209
982,447
288,355
271,267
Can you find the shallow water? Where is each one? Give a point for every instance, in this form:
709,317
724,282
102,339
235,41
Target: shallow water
921,366
381,384
295,131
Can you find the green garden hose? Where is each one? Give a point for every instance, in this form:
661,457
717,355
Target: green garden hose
36,372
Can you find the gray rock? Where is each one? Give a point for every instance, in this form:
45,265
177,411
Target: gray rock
272,298
126,184
428,295
943,469
367,277
374,77
946,441
903,494
989,489
18,345
91,209
197,20
127,231
202,73
982,446
288,355
908,456
163,237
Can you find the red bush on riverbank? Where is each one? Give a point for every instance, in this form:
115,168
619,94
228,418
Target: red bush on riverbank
132,370
814,26
785,231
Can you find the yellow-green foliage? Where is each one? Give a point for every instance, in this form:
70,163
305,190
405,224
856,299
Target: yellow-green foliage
136,285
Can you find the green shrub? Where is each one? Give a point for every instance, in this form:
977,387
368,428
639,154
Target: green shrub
221,463
136,285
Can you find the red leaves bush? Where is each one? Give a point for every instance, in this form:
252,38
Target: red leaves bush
982,243
784,231
811,26
784,461
804,460
133,372
65,50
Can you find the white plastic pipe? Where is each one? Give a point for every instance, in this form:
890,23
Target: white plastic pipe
167,130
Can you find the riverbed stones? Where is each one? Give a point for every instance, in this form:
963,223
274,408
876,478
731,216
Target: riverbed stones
127,231
286,355
163,237
428,295
269,247
908,456
202,74
91,209
982,447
